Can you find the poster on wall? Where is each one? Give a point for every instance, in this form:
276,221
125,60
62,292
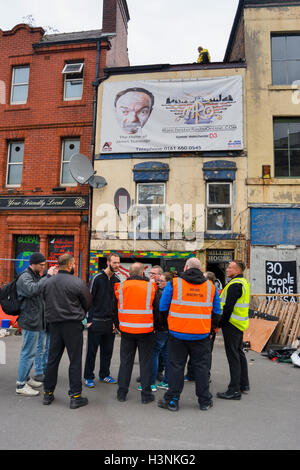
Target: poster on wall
281,278
25,245
58,245
172,115
124,268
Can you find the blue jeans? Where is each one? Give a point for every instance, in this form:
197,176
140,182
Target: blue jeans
160,346
42,351
27,355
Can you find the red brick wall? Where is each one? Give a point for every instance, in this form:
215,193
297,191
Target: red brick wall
115,20
42,123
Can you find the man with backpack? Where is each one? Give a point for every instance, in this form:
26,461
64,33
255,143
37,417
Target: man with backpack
204,56
30,287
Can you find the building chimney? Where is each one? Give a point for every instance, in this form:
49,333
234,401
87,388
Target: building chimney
115,20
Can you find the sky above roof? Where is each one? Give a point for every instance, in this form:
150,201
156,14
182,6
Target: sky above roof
159,31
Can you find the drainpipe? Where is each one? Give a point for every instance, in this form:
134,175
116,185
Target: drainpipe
95,85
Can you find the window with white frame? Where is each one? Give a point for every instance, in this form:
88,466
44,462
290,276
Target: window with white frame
15,163
73,81
150,210
69,147
19,85
219,207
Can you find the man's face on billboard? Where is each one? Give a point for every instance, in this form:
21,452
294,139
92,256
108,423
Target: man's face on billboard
133,110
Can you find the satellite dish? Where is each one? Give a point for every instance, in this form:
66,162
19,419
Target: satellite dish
97,181
83,172
122,200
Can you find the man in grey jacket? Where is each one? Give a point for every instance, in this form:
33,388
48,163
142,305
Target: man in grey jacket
67,300
31,320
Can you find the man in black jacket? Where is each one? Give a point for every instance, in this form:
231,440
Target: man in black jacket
101,330
233,335
30,287
67,299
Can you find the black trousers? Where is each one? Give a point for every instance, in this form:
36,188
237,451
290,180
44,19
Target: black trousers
104,340
65,335
238,367
199,352
190,373
129,344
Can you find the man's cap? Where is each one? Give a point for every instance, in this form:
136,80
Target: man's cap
37,258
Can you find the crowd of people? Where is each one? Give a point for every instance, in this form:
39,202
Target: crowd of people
171,319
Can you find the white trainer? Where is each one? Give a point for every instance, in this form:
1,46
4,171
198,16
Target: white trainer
27,391
34,383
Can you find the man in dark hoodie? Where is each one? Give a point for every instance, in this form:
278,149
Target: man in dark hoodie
194,310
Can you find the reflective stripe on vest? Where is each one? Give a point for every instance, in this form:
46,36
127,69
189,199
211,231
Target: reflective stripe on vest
135,327
207,303
239,316
187,316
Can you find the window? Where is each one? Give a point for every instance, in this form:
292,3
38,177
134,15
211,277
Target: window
69,147
219,207
15,163
150,210
73,76
19,87
287,147
285,59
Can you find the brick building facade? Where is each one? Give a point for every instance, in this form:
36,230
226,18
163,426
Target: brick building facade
47,106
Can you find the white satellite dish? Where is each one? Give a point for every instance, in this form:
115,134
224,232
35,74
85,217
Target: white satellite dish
83,172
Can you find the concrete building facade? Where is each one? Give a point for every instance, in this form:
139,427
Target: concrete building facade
266,35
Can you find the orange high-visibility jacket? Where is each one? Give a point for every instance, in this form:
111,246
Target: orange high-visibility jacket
135,303
191,307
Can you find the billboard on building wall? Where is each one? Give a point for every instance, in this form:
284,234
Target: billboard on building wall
172,115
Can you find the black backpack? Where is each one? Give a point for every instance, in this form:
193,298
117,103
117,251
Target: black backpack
205,59
9,298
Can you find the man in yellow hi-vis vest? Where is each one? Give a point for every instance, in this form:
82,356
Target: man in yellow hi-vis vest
234,321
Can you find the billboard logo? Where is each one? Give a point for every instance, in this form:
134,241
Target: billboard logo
107,147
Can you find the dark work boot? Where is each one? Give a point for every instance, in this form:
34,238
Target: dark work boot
48,398
77,401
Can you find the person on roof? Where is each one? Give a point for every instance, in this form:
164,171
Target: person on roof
204,56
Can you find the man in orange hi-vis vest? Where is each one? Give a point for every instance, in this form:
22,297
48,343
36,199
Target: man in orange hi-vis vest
135,320
194,311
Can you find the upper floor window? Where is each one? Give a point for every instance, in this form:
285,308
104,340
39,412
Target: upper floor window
219,207
287,147
19,86
150,220
285,59
69,147
15,163
73,81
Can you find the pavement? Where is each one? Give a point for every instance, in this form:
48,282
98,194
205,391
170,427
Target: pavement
267,418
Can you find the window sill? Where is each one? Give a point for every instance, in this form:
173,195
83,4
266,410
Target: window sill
283,87
17,107
273,181
71,104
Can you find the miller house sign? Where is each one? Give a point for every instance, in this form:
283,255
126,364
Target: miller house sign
44,203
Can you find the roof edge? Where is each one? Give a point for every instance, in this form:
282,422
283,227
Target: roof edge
108,71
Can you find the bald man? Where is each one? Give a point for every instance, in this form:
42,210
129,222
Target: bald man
134,317
194,311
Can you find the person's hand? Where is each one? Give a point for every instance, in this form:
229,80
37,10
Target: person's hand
52,271
88,325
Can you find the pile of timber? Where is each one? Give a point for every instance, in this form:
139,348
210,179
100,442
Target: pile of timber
288,314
